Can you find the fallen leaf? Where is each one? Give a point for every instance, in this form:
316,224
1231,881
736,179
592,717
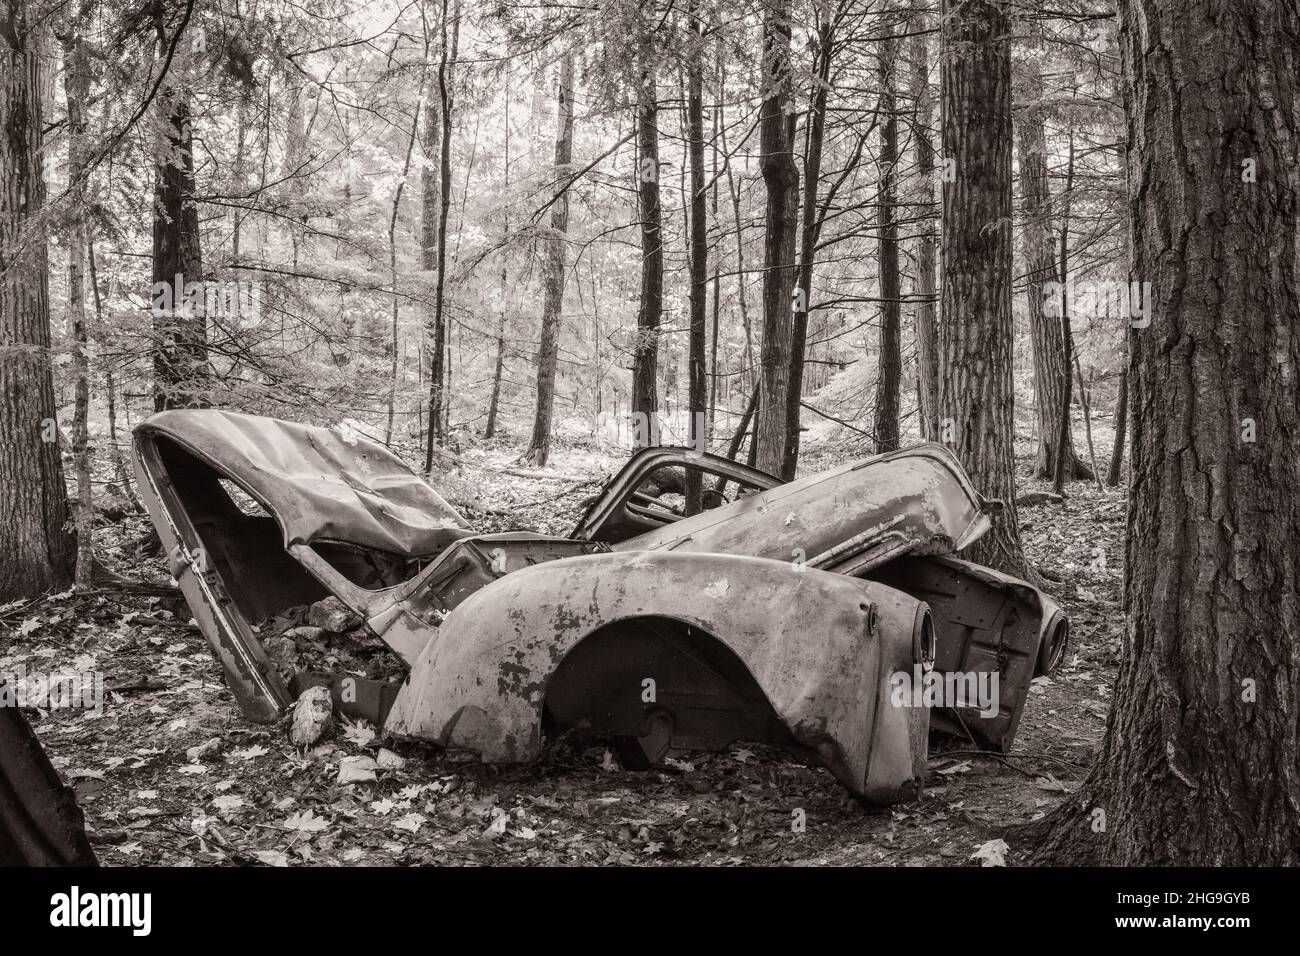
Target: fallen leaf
359,733
993,853
306,821
411,822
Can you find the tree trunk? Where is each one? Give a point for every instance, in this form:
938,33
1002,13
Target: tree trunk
750,372
394,352
494,401
1199,764
1087,419
180,324
697,403
975,337
890,367
38,551
773,423
1064,439
927,332
1121,425
110,387
815,138
645,356
77,91
539,447
438,371
1040,266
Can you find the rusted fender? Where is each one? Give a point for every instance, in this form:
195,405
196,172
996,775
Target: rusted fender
821,646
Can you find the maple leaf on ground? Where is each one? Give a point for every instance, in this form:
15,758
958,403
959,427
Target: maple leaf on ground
272,857
411,822
993,853
359,733
306,821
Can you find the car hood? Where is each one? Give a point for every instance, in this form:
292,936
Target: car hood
317,484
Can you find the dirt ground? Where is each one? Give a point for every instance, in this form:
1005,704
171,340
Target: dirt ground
171,774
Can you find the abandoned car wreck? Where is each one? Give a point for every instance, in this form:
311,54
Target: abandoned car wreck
778,613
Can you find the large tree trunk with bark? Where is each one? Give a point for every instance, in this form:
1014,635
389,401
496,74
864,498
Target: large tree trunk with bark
1039,245
38,551
645,355
889,369
773,424
180,323
925,318
539,447
1199,765
975,337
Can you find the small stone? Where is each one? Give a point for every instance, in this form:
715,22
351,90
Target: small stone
208,750
281,649
332,615
388,760
305,634
313,713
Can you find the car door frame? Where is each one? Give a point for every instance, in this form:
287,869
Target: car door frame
648,460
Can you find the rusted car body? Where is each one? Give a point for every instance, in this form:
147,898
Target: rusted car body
779,613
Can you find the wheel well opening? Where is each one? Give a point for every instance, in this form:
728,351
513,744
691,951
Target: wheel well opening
661,678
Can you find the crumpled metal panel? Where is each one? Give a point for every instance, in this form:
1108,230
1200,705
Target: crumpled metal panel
848,519
319,485
822,648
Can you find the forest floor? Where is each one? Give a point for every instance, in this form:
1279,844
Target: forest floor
171,774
